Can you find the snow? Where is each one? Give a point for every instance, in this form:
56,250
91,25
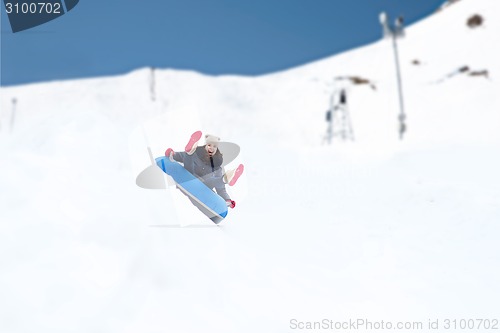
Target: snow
377,228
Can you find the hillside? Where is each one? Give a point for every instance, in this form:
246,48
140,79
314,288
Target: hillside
377,228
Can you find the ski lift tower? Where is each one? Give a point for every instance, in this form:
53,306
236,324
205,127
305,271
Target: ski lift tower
394,33
338,118
13,114
152,84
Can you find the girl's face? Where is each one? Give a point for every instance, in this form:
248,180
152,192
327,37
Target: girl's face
211,149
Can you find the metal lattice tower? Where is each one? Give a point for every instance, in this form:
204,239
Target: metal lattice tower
338,117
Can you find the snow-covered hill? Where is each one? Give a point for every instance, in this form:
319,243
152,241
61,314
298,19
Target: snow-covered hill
374,229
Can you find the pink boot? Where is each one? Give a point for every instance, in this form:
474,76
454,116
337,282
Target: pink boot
193,143
232,176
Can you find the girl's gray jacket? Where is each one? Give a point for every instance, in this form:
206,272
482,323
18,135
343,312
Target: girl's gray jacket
207,169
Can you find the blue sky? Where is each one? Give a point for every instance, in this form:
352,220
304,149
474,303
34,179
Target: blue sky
109,37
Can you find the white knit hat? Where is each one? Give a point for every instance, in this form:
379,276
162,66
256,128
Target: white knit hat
209,138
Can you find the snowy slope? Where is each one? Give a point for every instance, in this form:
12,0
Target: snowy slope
376,229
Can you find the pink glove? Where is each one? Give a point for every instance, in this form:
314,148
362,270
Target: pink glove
231,203
168,152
